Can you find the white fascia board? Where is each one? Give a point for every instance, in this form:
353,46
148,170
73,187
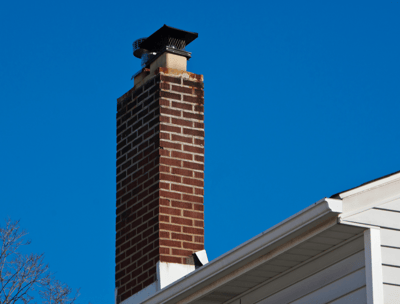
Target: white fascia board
371,195
324,208
370,186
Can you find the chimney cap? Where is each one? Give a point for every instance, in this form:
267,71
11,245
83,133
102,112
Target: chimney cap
159,39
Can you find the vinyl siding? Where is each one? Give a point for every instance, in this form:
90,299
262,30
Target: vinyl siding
332,277
386,216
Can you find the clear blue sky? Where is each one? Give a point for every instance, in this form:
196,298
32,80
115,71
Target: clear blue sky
302,101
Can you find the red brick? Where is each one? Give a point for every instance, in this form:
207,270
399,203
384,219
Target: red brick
193,132
162,151
164,250
181,205
182,89
168,128
163,102
196,100
170,79
171,211
169,243
164,234
199,141
199,175
184,172
182,237
193,246
199,224
171,178
199,108
170,95
164,218
170,145
168,111
199,191
170,194
195,166
183,106
191,230
182,122
195,215
193,84
170,161
191,198
165,119
164,169
194,182
193,115
164,186
198,207
170,259
155,190
181,138
181,188
169,227
165,86
164,202
181,221
199,92
198,125
177,154
181,252
199,239
199,158
193,149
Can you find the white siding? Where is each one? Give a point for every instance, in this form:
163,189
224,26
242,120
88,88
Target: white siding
342,269
358,296
386,216
326,285
392,294
335,290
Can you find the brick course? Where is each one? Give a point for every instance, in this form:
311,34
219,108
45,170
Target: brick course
160,178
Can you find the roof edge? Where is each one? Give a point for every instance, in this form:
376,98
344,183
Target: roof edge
367,185
308,216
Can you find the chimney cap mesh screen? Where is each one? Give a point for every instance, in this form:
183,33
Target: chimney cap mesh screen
168,36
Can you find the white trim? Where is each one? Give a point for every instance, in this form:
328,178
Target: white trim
246,253
370,186
355,224
168,273
202,256
371,206
373,266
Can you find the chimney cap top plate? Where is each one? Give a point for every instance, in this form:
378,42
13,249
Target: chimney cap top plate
153,41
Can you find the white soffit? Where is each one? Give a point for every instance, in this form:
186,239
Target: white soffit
321,215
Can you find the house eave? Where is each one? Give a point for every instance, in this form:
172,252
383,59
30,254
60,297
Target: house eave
320,215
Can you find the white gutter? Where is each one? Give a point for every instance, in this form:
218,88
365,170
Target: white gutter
237,257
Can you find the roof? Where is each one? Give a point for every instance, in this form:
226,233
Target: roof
336,195
280,250
324,212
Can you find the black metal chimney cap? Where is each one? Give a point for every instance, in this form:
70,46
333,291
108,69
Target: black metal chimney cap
157,40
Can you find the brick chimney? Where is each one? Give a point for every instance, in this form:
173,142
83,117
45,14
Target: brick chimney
160,169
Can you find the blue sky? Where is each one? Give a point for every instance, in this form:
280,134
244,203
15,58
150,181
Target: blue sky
302,100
